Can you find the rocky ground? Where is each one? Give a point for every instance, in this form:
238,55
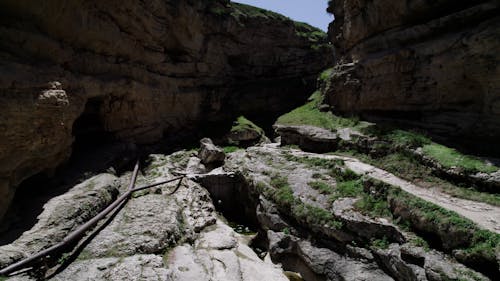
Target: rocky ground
315,217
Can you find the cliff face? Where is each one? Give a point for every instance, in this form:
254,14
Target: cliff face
140,71
428,64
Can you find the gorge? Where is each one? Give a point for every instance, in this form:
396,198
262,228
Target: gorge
368,153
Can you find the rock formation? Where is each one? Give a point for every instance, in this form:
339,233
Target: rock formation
428,64
304,217
139,71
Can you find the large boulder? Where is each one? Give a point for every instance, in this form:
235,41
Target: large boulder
209,153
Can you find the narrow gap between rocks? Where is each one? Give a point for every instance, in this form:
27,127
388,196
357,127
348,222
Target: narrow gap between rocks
234,200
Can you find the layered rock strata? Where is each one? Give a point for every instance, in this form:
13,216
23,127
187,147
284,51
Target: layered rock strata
423,64
139,71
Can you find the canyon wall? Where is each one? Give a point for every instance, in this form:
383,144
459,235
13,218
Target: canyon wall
427,64
142,70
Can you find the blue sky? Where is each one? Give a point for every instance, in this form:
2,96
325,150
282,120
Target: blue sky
312,12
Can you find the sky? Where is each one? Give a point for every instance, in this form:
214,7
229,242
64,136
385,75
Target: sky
312,12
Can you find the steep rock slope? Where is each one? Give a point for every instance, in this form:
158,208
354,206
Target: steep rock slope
430,64
139,71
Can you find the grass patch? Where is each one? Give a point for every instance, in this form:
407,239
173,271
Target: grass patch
484,243
409,168
449,157
419,242
352,188
325,75
283,196
321,186
309,114
242,10
231,149
372,206
243,124
380,243
315,162
405,139
475,241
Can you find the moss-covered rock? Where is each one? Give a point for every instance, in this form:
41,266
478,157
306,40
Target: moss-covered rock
245,133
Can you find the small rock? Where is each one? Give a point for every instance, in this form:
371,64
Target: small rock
209,153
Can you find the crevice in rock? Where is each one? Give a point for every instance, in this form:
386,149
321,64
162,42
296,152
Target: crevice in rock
232,198
27,204
88,129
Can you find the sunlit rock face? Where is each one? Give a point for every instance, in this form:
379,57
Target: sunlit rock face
428,64
143,70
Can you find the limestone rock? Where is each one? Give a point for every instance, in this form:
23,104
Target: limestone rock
308,138
423,64
245,133
210,153
62,215
137,267
220,255
364,226
141,70
317,263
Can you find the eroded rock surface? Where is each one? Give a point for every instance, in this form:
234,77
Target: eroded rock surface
428,64
317,231
142,70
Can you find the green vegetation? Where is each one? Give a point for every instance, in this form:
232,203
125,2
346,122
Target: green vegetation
315,162
483,243
309,114
372,206
380,243
243,10
321,186
449,157
218,10
406,139
286,231
419,242
231,149
63,259
283,196
242,124
325,75
408,167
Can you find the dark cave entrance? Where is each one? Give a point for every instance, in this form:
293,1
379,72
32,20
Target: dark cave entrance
94,151
89,129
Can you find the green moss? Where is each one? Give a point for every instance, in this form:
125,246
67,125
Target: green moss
351,188
321,186
243,124
419,242
283,196
316,216
243,10
408,167
380,243
315,162
231,149
372,206
309,114
402,138
483,242
325,75
449,157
